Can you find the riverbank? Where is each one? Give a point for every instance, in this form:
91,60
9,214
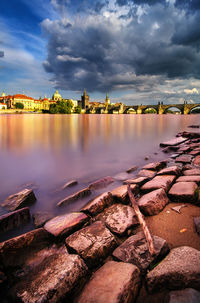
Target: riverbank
104,241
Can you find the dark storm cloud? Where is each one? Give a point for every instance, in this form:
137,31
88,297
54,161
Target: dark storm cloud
1,54
139,2
104,52
188,4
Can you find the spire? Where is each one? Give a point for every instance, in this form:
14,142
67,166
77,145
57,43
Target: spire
84,93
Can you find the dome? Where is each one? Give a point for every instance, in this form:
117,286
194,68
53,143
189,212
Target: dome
56,96
3,94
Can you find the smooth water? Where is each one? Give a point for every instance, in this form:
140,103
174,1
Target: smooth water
46,151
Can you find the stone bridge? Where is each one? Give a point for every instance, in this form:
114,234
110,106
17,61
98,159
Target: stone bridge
159,108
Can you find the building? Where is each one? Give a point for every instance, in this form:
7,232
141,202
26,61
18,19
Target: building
85,100
56,96
107,100
3,106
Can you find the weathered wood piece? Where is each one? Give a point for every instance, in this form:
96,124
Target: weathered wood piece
141,221
120,194
19,200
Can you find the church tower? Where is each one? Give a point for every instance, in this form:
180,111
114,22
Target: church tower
107,100
85,100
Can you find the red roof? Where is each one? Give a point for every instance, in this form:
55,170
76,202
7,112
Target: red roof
19,96
3,103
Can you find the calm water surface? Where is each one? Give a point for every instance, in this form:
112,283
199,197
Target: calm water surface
49,150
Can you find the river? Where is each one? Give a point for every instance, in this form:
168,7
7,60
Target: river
46,151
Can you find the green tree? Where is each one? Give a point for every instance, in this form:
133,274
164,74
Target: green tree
61,107
78,109
19,105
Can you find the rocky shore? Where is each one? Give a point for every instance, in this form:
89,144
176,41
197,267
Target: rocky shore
100,254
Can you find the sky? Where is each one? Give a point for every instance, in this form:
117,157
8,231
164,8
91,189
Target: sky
137,51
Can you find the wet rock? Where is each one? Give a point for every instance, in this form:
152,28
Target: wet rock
166,150
146,158
162,181
175,141
14,219
65,224
41,217
93,243
184,159
194,178
119,218
180,269
153,202
120,194
21,247
98,204
174,156
195,153
183,192
101,183
184,149
192,172
155,166
196,161
172,170
146,173
78,195
139,181
53,280
197,224
132,169
187,295
135,250
70,184
114,282
19,200
121,176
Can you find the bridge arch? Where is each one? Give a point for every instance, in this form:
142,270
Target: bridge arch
149,110
195,107
130,111
173,109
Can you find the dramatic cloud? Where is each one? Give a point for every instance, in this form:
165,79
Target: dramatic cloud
105,52
1,54
188,4
191,91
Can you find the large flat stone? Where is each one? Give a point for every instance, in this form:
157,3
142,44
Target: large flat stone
146,173
93,243
184,159
15,251
183,192
195,152
98,204
120,194
180,269
114,282
78,195
189,179
153,202
41,217
135,250
14,219
53,280
187,295
65,224
175,141
19,200
155,166
192,172
139,181
162,181
101,183
196,161
118,218
172,170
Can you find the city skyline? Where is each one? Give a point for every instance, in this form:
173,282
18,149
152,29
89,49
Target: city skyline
137,51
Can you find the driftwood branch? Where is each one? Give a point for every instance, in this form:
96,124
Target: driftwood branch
141,221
